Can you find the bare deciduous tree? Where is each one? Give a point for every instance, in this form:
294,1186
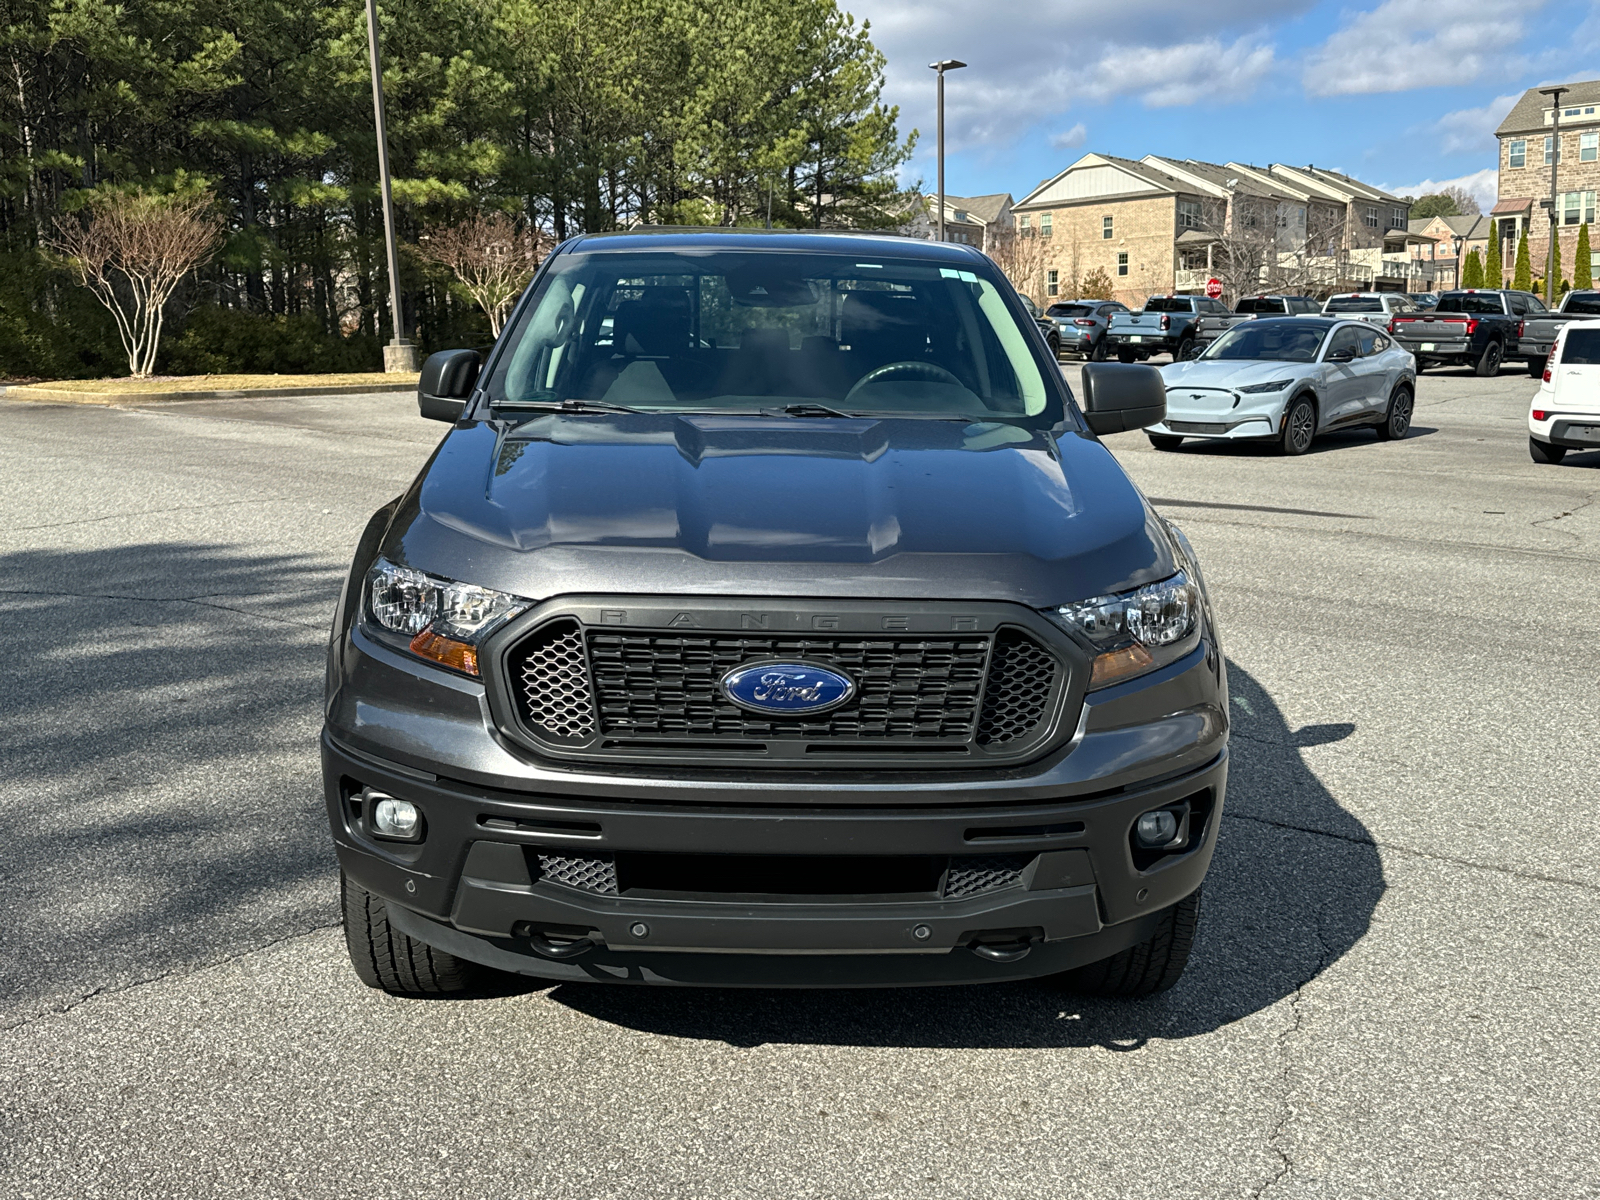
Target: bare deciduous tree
1020,254
492,257
132,250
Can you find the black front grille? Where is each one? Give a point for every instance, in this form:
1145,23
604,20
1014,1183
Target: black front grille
665,685
982,872
651,694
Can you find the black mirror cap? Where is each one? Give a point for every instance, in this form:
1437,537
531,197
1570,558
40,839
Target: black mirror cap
446,382
1341,355
1119,397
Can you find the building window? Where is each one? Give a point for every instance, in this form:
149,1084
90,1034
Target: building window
1578,208
1022,221
1517,156
1369,216
1188,214
1300,217
1397,218
1052,282
1105,227
1569,112
1046,223
1589,146
1122,262
1550,147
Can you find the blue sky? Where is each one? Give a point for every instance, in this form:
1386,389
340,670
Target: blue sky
1402,93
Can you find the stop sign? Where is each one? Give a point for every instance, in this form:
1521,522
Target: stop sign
1214,288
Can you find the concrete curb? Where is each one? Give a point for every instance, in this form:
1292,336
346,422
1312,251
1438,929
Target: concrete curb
50,395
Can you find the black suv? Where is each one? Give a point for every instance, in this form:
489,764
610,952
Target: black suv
771,614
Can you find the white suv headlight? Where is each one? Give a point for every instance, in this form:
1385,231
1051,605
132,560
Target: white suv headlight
445,621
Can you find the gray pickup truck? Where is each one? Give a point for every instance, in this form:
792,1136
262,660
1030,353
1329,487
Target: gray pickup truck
1478,328
1165,324
1540,326
1211,326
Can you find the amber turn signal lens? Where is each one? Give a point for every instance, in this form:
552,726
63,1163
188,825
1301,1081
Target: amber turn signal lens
1117,664
458,656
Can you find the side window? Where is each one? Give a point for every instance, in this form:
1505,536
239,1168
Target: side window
1380,344
1344,339
1519,306
1535,305
1369,341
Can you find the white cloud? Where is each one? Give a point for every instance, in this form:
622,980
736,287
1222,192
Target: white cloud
1472,128
1072,138
1186,73
1482,185
1405,44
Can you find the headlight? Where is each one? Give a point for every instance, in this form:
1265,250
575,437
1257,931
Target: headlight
1276,385
437,619
1135,631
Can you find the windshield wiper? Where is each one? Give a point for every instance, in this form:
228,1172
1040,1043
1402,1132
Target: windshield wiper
805,410
571,406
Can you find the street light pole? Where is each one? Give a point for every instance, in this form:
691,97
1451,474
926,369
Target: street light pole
1550,283
947,64
399,355
1459,242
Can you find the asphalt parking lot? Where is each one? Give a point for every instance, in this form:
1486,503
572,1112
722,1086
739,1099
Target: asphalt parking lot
1392,995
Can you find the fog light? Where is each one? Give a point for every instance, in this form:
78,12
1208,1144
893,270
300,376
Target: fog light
393,818
1157,830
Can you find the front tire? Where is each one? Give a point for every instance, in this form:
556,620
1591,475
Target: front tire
1489,365
1164,441
1544,452
1185,350
1148,968
1055,348
1299,427
1397,422
387,959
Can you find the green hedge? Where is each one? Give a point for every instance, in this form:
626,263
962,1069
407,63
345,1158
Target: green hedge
226,341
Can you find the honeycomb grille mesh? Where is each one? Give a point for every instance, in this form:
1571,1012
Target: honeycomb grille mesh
665,686
554,679
1021,678
587,872
980,874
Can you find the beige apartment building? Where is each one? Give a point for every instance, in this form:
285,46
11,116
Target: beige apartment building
1528,149
1159,225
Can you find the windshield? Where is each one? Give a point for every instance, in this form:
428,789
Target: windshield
1464,302
1582,302
745,331
1346,304
1169,304
1271,341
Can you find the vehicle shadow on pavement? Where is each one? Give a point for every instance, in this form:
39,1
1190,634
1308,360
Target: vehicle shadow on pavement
1326,443
161,800
1292,888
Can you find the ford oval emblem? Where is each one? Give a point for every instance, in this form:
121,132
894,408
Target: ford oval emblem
787,687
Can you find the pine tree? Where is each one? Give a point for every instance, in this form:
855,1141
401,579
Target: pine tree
1472,271
1494,273
1582,272
1522,280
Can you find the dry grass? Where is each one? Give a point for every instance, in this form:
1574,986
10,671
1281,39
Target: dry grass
219,383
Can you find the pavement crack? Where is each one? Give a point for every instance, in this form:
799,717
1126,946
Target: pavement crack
147,512
56,1010
198,601
1549,523
1513,872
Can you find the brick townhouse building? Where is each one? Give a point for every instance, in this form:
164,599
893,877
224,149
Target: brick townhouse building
1527,139
1159,225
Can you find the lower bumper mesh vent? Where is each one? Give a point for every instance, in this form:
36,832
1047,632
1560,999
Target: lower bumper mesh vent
981,874
587,872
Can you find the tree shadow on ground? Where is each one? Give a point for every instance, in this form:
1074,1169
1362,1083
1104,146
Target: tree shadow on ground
161,802
1293,887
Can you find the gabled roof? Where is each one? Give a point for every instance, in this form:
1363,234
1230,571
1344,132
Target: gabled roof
1527,114
1296,187
1137,177
983,208
1226,179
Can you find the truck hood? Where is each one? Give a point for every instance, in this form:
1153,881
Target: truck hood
1230,373
695,505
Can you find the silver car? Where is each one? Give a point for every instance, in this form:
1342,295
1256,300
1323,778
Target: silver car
1287,379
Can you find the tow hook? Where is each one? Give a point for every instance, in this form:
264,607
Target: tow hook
1004,946
563,946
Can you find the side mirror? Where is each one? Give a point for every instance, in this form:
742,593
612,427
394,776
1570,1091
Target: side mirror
446,382
1341,356
1118,397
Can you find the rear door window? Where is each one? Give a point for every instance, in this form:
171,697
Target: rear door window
1583,302
1169,304
1582,348
1354,304
1471,302
1260,304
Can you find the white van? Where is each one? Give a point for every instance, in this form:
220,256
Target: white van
1565,414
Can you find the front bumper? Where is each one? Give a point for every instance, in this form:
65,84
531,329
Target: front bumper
474,886
1223,415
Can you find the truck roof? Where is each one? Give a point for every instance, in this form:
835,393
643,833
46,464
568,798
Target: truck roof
818,241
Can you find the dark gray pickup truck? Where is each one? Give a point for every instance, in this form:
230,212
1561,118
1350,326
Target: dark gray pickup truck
1480,329
1540,326
772,614
1166,323
1211,326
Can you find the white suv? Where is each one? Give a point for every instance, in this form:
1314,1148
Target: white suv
1565,414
